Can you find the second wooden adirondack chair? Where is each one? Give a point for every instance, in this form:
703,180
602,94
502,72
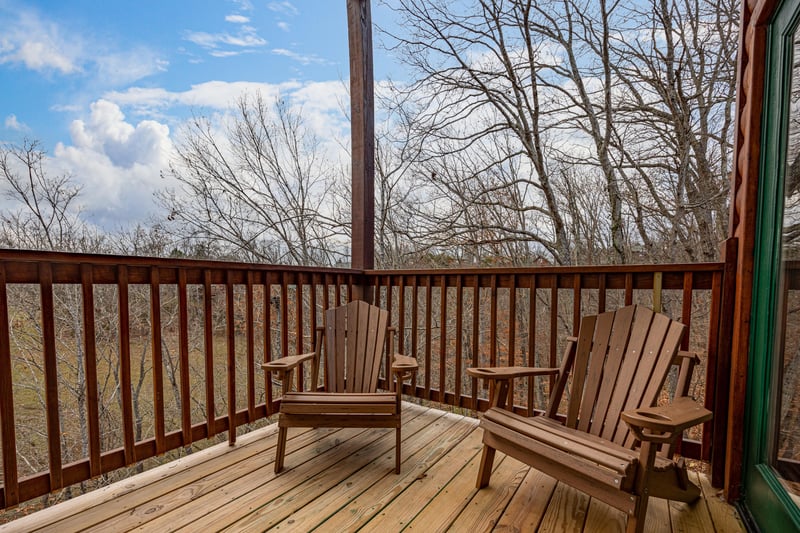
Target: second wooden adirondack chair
607,443
354,336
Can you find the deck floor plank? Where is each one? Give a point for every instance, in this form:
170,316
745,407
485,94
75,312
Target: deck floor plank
603,518
379,452
403,509
724,516
658,520
58,516
566,512
528,505
442,511
149,502
260,479
690,516
343,480
371,478
487,505
359,511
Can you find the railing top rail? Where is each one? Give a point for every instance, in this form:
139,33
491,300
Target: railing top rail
554,269
164,262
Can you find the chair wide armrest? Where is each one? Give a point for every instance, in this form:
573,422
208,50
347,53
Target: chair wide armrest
665,423
287,363
510,372
404,363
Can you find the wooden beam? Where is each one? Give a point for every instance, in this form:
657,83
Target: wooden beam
744,199
362,112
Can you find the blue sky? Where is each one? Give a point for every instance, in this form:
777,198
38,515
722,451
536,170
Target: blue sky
106,86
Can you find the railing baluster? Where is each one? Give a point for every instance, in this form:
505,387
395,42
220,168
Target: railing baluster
686,307
298,320
459,337
414,313
158,364
90,367
7,429
493,321
601,296
208,338
576,303
401,318
125,365
313,310
251,349
658,281
183,353
628,288
428,329
268,341
552,362
512,321
443,341
512,331
51,375
531,339
284,314
230,329
476,306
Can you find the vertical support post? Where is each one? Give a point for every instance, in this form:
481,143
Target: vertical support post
362,113
8,433
722,404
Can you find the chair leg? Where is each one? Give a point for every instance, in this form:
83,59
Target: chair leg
485,472
397,452
281,450
636,520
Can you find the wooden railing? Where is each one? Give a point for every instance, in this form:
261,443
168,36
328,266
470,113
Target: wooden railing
84,337
479,317
229,311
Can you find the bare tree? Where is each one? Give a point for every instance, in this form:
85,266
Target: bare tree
259,190
510,99
44,213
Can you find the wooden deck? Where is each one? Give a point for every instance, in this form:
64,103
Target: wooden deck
343,480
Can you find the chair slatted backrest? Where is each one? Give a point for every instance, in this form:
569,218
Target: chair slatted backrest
354,339
621,361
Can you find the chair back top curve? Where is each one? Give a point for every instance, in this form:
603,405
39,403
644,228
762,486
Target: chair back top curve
621,361
354,339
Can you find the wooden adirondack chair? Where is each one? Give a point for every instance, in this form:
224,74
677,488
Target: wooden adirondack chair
608,445
354,336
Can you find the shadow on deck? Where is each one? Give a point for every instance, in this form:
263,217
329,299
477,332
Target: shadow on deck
343,480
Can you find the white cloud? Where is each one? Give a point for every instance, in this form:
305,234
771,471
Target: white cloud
227,53
12,123
246,38
304,59
30,40
117,163
211,94
38,45
237,19
284,8
244,5
126,67
284,26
